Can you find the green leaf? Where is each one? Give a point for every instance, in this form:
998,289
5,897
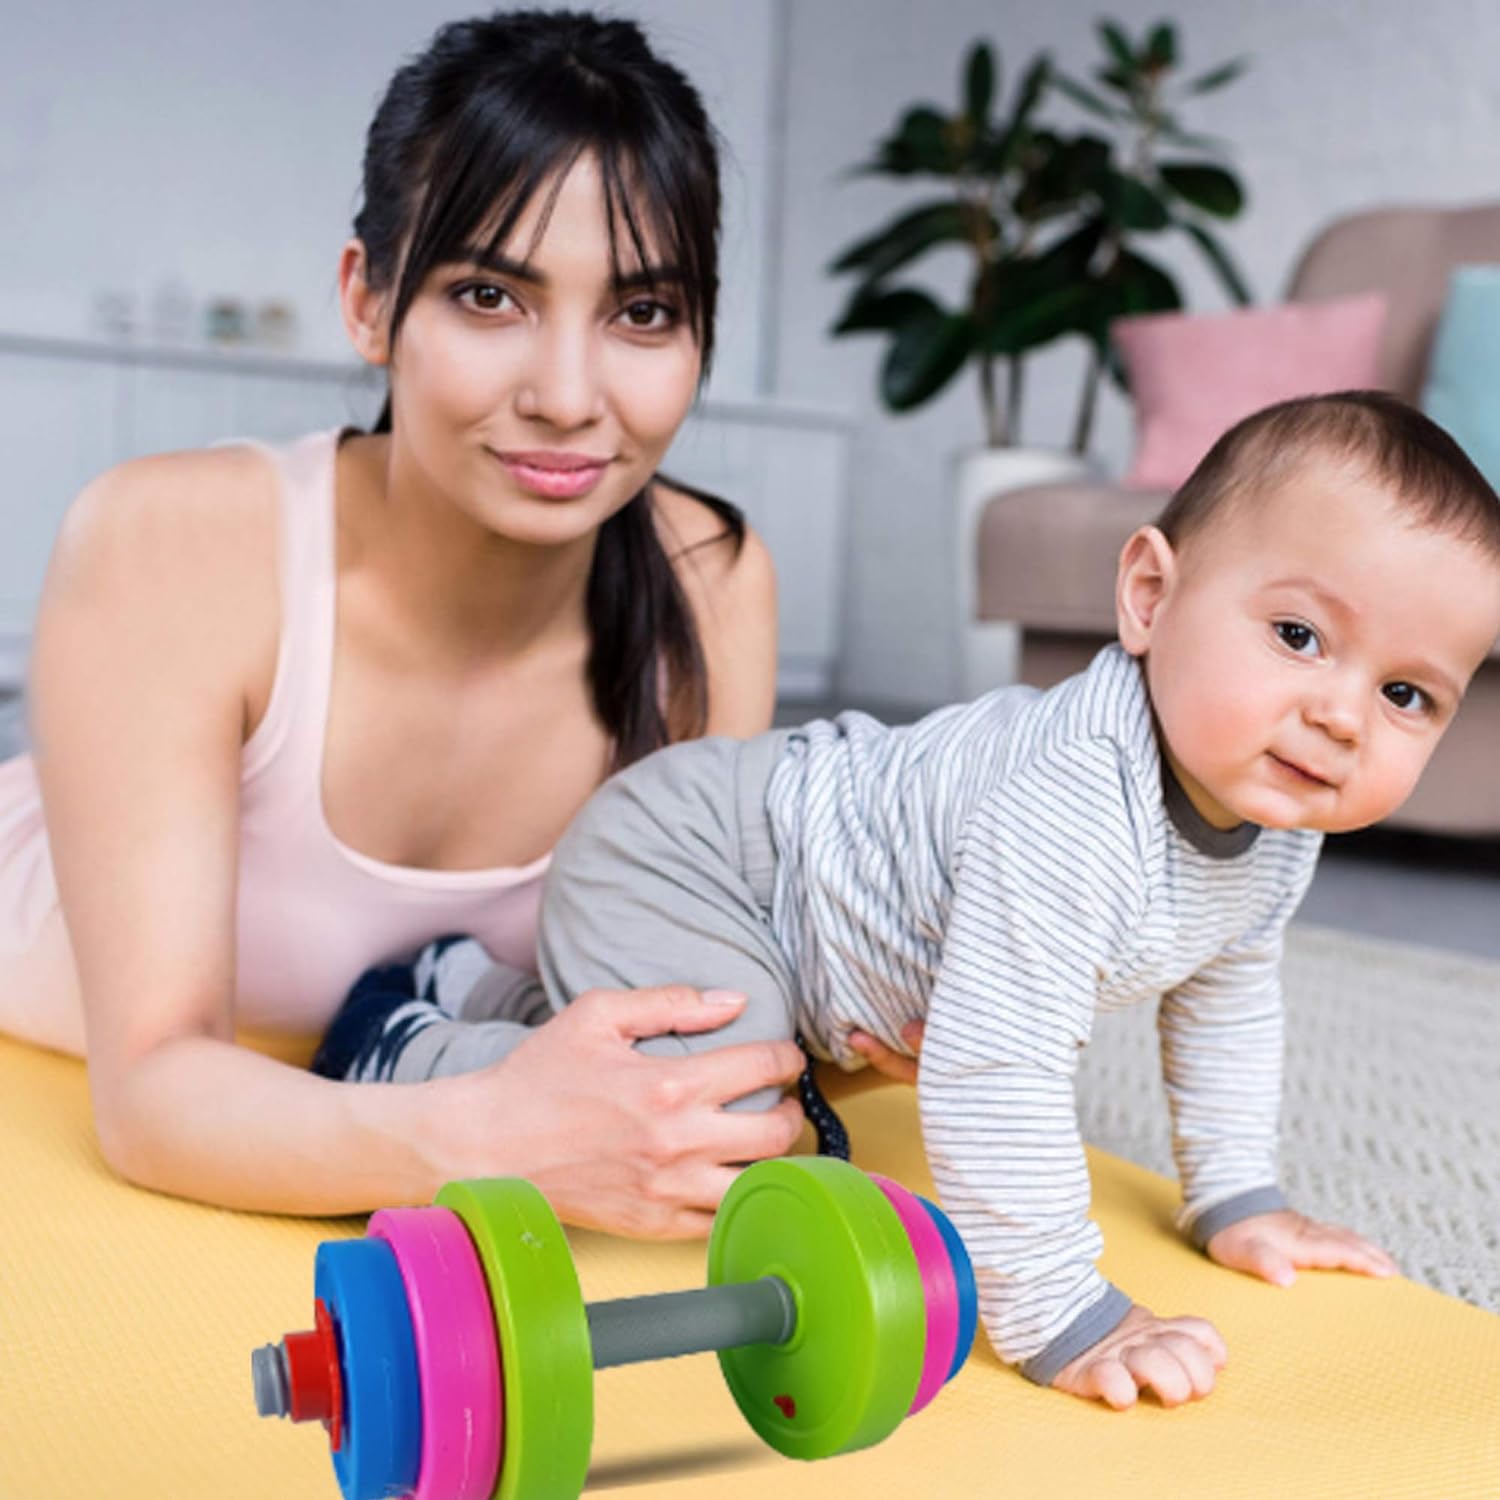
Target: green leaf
1085,97
1069,258
1032,302
1033,84
1059,171
979,84
920,144
1133,285
1117,79
1219,76
1118,44
997,155
1038,319
1161,46
904,238
924,356
1132,204
1218,257
885,311
1212,189
1141,286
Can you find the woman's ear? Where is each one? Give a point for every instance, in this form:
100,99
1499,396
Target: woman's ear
1147,575
364,308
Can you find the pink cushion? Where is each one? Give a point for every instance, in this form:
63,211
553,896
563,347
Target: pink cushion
1192,377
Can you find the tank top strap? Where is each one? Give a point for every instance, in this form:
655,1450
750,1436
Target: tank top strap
292,729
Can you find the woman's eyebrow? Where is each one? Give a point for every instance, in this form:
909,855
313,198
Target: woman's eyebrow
485,259
649,277
502,265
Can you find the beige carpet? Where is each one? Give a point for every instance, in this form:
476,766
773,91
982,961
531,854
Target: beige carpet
1392,1115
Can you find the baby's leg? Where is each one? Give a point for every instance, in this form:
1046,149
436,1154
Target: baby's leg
648,887
453,1009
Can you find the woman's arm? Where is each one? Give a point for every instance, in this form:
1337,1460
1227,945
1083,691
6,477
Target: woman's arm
157,624
157,618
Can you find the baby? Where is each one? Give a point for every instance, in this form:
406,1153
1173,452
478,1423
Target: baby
1295,634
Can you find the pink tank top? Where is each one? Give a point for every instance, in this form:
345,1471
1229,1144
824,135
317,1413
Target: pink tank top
313,913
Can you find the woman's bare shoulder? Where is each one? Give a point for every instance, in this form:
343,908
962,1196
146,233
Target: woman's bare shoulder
173,524
732,592
186,540
710,560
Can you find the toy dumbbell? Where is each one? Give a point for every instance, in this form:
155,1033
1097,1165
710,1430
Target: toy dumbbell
453,1355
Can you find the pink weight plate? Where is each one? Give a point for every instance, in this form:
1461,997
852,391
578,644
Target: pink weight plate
938,1284
458,1358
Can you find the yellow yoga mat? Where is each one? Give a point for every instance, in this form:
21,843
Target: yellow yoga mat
127,1321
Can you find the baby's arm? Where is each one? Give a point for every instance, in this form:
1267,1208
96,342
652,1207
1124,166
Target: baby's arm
1221,1049
1042,899
1275,1246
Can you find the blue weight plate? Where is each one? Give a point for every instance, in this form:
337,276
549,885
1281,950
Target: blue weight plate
360,1284
963,1276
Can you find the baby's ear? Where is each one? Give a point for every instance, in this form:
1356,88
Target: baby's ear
1148,570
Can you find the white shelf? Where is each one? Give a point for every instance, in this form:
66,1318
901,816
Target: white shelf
248,359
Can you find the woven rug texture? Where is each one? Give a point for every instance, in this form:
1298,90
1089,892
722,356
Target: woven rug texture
1391,1118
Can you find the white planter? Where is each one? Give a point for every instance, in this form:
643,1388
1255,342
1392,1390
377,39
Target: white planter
987,653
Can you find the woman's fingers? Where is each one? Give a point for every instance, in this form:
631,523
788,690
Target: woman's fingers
667,1007
746,1135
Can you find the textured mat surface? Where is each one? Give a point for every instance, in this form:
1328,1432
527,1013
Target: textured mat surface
127,1320
1392,1115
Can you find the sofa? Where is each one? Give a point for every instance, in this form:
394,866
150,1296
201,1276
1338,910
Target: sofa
1045,555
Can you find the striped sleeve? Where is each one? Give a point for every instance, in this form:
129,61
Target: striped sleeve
1048,886
1221,1037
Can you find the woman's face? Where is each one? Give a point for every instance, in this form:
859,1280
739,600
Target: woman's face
540,392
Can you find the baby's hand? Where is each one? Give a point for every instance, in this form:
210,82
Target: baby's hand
1272,1246
1177,1358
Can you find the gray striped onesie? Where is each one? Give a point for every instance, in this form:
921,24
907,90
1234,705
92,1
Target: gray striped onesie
1003,869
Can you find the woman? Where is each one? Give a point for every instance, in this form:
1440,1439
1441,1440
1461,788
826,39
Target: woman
300,711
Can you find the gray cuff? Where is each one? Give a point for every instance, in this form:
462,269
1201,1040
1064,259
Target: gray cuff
1261,1200
1102,1317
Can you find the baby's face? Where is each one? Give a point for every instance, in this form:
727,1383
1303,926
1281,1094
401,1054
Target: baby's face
1310,649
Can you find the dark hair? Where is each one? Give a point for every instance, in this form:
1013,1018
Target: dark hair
1391,441
467,133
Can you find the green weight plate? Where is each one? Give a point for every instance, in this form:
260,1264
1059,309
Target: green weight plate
546,1360
847,1375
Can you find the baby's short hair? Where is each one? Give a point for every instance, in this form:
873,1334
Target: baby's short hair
1407,453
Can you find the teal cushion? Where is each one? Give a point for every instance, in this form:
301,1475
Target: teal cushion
1463,380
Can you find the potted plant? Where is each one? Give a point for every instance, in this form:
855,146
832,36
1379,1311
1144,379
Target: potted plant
1052,220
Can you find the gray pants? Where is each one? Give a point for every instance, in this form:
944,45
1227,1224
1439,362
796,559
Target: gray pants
663,878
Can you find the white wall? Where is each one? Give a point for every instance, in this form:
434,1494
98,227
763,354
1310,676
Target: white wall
1346,106
218,148
220,145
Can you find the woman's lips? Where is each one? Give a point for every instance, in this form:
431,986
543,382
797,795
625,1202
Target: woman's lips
555,476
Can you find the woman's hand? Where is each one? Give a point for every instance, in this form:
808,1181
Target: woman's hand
1275,1246
1178,1358
619,1140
